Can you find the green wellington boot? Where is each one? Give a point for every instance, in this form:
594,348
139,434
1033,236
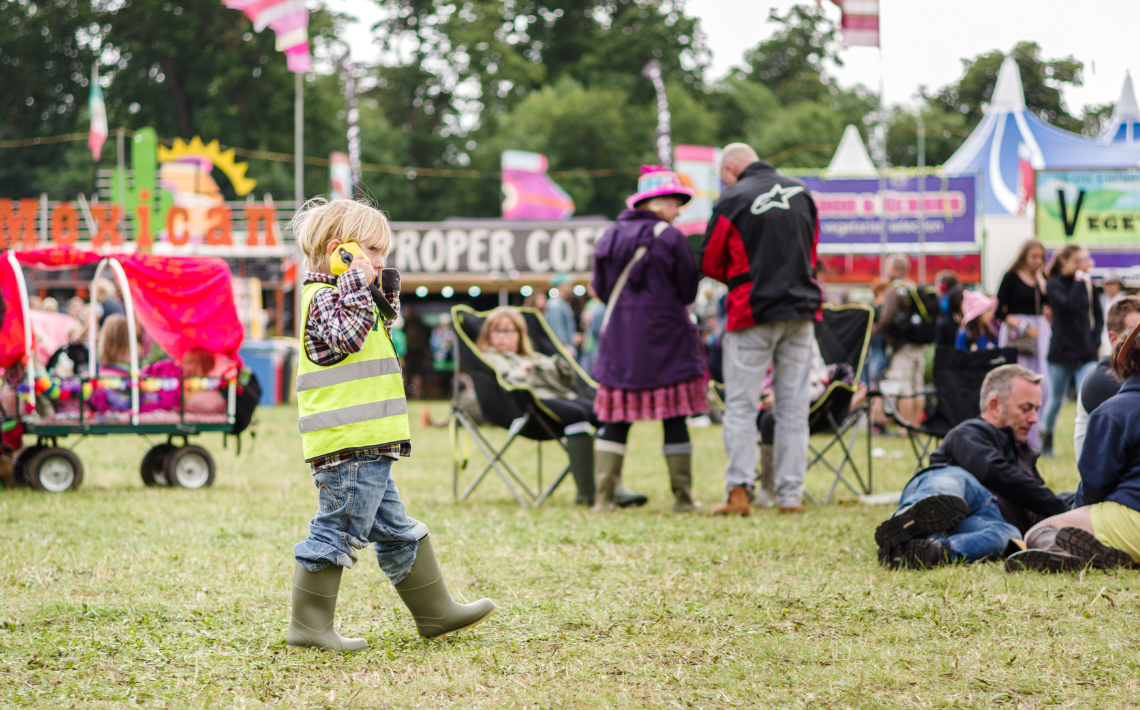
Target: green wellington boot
314,604
580,448
424,592
608,458
679,460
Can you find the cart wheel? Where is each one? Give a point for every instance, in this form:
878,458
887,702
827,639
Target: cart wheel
190,467
153,468
20,465
54,470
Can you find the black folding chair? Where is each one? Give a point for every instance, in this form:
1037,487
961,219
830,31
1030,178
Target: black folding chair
516,409
958,377
844,336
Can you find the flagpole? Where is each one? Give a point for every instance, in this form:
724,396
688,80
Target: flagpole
299,140
882,171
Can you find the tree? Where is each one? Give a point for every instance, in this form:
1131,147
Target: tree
791,62
1042,79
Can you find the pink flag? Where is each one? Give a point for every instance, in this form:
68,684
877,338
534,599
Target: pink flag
860,22
97,110
528,192
289,19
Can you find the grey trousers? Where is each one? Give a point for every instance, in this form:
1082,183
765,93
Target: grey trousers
786,346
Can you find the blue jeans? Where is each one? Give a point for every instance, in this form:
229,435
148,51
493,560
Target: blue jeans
359,504
1060,377
984,534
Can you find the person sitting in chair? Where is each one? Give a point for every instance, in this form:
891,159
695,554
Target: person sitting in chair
505,346
1104,529
982,489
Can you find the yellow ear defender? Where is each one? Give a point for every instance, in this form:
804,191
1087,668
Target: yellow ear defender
342,258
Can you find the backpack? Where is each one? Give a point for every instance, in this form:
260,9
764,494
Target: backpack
923,310
244,406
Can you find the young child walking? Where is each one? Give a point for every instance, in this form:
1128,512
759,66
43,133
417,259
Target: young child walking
354,426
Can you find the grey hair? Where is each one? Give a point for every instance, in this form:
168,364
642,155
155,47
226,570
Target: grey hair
999,383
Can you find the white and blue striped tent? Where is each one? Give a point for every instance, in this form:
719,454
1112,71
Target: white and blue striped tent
1009,130
1125,125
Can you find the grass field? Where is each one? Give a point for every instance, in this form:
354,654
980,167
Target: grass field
122,596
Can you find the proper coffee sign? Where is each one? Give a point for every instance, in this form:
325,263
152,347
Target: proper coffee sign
493,246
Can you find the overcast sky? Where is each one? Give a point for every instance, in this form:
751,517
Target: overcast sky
923,40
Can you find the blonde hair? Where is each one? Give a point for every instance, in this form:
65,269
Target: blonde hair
657,205
483,342
321,221
114,340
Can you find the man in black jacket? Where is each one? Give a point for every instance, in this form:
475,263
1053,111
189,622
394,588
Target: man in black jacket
761,242
982,489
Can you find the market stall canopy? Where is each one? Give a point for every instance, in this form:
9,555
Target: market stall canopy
183,302
1010,135
1125,125
851,158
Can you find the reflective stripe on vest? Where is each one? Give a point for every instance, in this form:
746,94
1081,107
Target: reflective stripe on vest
356,403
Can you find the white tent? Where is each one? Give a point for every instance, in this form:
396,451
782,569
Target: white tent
1125,125
851,158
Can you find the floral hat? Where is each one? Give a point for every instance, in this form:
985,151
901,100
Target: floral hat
659,181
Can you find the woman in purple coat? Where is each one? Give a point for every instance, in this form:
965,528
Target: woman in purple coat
649,359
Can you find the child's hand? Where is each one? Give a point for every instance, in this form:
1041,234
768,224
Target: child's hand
360,261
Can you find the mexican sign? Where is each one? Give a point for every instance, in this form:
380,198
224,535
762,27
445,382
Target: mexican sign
495,246
1090,207
851,213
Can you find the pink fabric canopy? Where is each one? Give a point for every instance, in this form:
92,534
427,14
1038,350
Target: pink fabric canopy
183,302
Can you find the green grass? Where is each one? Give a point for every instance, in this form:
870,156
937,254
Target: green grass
121,596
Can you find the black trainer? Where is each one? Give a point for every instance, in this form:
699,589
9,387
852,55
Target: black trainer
1083,544
1043,561
923,553
930,515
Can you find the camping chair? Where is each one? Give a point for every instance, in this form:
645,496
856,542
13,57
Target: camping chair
516,409
958,377
843,335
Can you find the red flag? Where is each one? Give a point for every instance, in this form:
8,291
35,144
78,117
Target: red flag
860,22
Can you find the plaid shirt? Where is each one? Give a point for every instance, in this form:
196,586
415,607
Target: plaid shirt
339,322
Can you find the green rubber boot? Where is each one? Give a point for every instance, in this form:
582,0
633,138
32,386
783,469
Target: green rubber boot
424,592
314,604
608,458
679,460
580,448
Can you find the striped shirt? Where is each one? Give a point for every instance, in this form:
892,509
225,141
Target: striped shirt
339,321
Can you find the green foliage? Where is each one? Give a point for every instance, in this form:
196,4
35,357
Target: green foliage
791,62
1042,80
945,132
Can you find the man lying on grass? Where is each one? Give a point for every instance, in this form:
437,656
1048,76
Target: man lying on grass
982,489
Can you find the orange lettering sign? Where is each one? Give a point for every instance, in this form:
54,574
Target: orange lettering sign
256,216
11,224
173,215
142,222
107,219
64,224
220,232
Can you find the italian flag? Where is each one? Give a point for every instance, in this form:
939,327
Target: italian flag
98,112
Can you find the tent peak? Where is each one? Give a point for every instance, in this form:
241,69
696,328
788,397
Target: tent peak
851,158
1008,93
1126,108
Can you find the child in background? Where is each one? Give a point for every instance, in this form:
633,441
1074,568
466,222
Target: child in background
354,426
199,363
976,332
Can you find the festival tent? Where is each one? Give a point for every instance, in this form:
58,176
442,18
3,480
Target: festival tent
1004,150
851,158
1125,125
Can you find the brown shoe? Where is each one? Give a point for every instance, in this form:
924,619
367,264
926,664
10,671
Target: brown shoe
791,509
737,503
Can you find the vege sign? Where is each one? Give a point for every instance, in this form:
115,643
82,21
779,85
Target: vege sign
1094,207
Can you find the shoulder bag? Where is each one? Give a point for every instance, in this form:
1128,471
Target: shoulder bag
620,285
1025,343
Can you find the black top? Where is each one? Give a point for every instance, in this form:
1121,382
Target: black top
1099,385
1076,336
1007,469
1016,297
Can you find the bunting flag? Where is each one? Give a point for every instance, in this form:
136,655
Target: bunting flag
860,22
289,19
97,110
528,192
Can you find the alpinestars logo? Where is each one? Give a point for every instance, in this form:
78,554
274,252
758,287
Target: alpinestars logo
777,197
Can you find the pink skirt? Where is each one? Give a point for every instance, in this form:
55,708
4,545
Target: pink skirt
679,400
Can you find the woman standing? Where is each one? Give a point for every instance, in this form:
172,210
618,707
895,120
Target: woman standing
649,362
1077,322
1022,303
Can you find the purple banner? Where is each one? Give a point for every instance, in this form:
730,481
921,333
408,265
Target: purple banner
851,212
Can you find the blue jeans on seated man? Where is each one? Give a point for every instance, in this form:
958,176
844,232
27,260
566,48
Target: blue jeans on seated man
359,504
984,534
